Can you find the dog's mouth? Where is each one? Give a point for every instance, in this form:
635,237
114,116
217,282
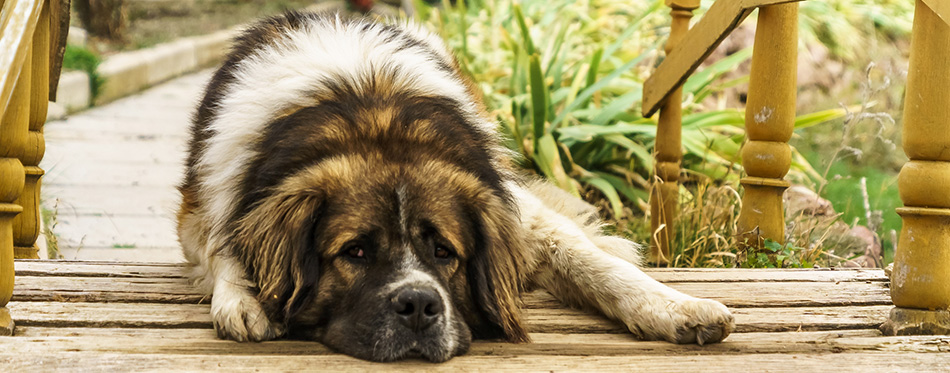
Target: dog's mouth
433,352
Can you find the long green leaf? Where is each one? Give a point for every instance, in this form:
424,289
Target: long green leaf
706,76
633,27
594,67
525,33
548,159
633,148
617,106
589,91
818,117
585,132
609,191
632,194
538,99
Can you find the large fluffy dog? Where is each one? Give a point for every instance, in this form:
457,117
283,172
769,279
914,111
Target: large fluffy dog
345,185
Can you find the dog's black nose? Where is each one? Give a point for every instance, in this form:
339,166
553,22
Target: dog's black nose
417,307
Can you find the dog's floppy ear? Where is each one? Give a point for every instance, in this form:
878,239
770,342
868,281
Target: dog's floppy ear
276,242
494,271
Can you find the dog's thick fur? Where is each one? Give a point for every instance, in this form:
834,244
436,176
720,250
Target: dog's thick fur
344,184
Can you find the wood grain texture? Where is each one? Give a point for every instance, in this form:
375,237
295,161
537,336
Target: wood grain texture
146,317
86,268
178,290
58,360
203,342
557,319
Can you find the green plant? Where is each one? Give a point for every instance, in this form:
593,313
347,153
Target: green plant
842,25
82,59
776,255
565,79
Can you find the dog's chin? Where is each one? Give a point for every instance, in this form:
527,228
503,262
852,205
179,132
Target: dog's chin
390,343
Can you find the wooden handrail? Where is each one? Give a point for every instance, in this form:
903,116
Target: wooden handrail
668,151
920,283
770,114
721,18
941,8
18,19
24,93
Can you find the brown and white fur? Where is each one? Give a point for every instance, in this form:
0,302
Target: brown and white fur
274,221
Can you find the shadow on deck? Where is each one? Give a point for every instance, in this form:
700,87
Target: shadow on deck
145,316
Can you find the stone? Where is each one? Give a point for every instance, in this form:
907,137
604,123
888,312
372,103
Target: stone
73,91
799,200
872,247
906,321
55,111
76,36
7,327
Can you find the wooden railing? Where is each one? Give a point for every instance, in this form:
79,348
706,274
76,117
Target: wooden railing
29,34
921,277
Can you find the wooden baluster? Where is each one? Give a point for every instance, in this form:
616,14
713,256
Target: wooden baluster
14,126
769,121
669,148
26,226
920,282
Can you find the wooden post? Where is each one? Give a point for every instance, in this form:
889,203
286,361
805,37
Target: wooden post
26,226
14,127
769,121
920,282
669,148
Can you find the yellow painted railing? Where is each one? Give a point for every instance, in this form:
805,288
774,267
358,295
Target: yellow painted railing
28,29
770,114
920,285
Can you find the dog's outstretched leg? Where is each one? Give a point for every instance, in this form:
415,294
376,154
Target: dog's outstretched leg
572,265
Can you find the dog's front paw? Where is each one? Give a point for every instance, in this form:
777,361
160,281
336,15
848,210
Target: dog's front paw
702,321
238,316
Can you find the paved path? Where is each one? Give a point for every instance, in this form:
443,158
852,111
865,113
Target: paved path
112,171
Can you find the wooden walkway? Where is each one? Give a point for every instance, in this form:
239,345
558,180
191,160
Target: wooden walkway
82,316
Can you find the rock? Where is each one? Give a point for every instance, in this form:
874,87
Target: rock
76,36
799,200
872,248
55,112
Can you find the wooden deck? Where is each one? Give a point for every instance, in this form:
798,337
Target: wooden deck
81,316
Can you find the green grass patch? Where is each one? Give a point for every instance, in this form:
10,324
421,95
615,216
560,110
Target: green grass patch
83,59
844,191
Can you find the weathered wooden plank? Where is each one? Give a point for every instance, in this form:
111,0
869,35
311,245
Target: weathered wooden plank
766,275
54,359
205,342
564,320
123,269
60,268
102,289
739,294
28,332
547,320
111,315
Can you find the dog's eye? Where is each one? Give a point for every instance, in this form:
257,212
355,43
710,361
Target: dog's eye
442,252
355,252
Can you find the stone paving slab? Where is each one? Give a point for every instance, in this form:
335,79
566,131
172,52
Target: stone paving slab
112,171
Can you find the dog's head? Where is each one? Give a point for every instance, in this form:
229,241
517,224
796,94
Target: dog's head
387,253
